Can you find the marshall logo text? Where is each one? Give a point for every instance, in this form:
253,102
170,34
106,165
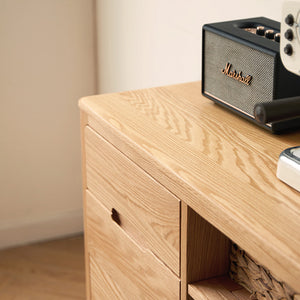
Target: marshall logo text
236,75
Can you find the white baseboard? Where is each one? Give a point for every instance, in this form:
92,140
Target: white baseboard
44,228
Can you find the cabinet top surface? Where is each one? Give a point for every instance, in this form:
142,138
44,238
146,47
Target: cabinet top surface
221,165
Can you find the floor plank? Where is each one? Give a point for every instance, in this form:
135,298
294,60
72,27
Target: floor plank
51,270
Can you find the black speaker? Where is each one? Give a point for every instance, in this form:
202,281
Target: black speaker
241,67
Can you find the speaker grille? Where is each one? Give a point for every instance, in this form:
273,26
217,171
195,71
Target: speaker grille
218,52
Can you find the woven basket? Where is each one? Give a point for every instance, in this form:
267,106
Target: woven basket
256,279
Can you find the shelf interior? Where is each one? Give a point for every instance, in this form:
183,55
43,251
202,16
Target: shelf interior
218,288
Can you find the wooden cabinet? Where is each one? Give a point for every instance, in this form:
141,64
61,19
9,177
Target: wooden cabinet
170,180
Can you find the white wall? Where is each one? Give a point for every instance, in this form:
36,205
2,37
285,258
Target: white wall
47,62
145,43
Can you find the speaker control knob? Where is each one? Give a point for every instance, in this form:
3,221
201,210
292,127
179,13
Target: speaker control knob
277,37
270,34
288,49
289,35
260,30
289,20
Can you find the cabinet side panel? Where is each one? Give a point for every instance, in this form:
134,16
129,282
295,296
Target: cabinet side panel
83,123
207,249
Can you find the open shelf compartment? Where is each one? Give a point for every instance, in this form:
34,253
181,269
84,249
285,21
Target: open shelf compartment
205,261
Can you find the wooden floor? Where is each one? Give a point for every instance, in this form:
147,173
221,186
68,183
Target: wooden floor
47,271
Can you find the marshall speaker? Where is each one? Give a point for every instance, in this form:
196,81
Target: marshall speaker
241,67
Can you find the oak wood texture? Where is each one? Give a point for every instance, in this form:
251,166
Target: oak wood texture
220,165
119,267
219,288
148,212
51,270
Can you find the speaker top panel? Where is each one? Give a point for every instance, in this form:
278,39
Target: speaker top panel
257,33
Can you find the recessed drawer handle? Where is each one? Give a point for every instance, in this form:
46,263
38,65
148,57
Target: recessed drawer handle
129,230
115,216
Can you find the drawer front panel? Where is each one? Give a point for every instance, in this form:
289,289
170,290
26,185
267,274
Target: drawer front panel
119,268
149,213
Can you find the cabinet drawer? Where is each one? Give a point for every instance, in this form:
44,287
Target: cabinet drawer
119,268
147,211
